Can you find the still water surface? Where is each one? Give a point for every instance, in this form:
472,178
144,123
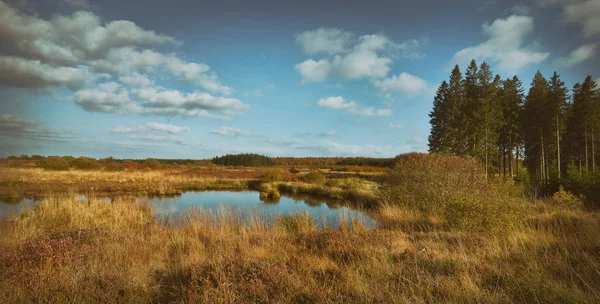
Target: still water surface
326,213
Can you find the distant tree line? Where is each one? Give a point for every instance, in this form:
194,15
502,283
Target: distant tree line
366,161
248,159
553,132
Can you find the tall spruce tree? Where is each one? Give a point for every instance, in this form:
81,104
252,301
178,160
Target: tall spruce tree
534,125
457,116
557,107
438,139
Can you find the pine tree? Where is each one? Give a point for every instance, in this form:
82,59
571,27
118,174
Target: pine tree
457,117
534,124
438,140
487,116
557,106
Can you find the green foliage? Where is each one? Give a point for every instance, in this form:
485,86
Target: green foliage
272,176
248,160
293,170
454,188
114,167
54,163
366,161
151,163
85,163
566,199
315,177
300,222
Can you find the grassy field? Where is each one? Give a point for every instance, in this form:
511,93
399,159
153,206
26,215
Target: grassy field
446,235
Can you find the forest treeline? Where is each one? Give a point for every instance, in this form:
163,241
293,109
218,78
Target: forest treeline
247,159
551,130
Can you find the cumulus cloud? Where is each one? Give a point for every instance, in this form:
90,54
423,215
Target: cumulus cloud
232,132
72,50
405,84
110,97
324,40
351,57
505,45
338,103
578,55
67,39
167,128
586,13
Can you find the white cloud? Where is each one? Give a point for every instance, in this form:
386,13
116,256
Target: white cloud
338,103
586,13
324,40
579,55
167,128
66,50
111,97
69,39
136,80
404,83
395,126
367,56
232,132
327,133
505,45
191,101
120,129
314,71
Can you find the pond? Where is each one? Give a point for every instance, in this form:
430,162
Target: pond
326,213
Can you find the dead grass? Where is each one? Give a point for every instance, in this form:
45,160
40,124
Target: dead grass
70,251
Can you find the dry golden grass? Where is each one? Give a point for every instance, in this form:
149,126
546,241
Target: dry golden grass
70,251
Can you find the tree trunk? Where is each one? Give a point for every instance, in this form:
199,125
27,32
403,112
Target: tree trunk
587,168
593,153
510,160
486,154
558,147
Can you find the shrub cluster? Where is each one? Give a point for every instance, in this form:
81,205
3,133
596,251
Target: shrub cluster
53,163
453,188
315,177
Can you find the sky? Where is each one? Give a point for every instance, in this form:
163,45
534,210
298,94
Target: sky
196,79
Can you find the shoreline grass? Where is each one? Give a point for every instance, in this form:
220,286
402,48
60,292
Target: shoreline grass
67,251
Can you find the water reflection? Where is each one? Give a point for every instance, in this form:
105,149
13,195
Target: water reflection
326,212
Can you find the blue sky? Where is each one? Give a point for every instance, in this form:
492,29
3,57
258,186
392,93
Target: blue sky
195,79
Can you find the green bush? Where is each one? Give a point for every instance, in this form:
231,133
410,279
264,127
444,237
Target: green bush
151,163
53,163
272,176
315,177
453,188
566,199
299,222
293,170
85,163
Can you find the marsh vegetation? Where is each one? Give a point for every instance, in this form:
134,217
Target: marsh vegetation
445,233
